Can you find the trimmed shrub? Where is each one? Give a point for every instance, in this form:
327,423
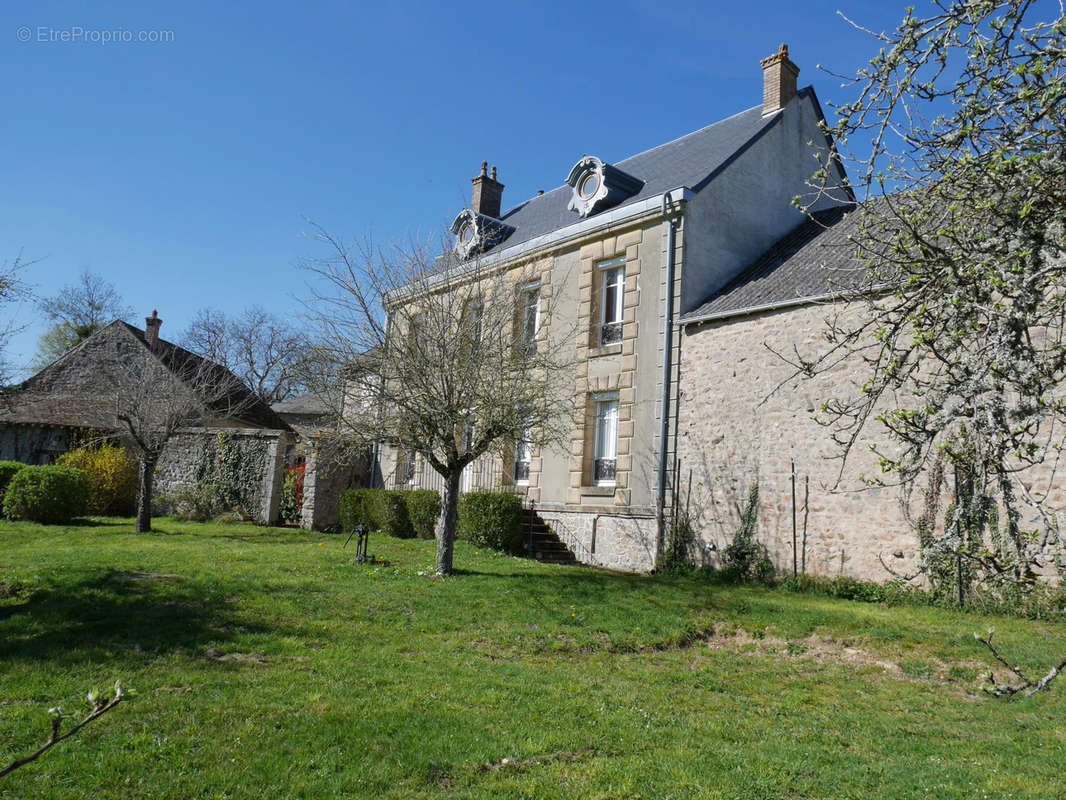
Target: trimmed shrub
7,472
112,475
423,507
392,510
492,519
353,508
53,495
378,509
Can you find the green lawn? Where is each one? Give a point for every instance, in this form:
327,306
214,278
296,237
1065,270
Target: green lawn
268,666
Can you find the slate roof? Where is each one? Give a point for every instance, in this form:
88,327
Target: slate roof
304,405
37,401
814,260
688,161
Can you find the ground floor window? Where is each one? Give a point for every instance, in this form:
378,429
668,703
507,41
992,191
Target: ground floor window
605,421
523,453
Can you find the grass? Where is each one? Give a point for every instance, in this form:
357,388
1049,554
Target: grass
267,665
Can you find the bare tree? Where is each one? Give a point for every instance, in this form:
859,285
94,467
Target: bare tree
263,350
78,311
156,393
12,289
437,358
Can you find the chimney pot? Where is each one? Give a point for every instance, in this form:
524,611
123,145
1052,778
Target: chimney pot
151,329
779,80
487,196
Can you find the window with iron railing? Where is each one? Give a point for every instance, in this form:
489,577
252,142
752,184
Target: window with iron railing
605,423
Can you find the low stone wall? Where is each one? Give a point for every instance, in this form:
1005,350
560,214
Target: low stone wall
609,540
325,476
183,460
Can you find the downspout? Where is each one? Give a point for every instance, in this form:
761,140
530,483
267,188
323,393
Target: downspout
668,343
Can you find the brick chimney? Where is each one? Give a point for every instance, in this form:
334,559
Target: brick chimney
778,81
151,329
488,193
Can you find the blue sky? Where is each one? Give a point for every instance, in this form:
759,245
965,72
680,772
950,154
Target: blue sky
183,170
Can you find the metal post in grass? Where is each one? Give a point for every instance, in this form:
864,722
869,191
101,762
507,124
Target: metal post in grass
795,543
806,514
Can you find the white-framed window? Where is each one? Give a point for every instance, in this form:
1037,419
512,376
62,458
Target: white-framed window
528,318
605,428
405,467
523,454
612,295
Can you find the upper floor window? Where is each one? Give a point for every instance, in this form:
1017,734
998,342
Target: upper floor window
528,318
612,292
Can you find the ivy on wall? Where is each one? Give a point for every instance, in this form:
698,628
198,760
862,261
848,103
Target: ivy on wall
230,468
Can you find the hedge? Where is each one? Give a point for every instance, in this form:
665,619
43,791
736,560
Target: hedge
7,472
112,474
52,495
492,519
488,519
378,509
423,507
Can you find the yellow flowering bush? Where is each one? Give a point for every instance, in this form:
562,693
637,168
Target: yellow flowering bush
112,477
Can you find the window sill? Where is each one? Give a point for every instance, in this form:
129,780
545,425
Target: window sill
606,350
598,491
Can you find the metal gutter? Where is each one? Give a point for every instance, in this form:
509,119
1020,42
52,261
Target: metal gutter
561,236
743,312
780,304
664,420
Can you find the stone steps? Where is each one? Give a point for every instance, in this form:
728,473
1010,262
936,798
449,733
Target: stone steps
541,541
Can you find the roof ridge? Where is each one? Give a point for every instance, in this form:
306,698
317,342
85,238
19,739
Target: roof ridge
685,136
675,140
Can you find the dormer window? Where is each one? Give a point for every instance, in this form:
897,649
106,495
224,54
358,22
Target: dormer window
598,185
475,233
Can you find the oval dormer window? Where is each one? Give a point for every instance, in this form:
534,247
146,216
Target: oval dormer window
597,185
466,234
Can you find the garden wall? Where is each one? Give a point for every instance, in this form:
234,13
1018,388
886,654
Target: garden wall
248,464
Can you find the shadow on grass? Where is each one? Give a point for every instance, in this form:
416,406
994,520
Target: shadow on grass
108,612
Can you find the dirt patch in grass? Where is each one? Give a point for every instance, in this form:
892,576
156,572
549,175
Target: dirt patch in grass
827,650
215,654
145,576
519,764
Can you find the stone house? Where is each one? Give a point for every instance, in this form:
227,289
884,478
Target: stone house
72,401
686,266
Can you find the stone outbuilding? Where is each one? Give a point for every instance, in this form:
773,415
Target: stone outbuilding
72,402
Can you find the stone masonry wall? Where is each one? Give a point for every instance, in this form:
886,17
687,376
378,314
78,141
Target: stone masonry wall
177,468
732,431
625,543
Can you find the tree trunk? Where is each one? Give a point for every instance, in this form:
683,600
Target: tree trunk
449,508
144,496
